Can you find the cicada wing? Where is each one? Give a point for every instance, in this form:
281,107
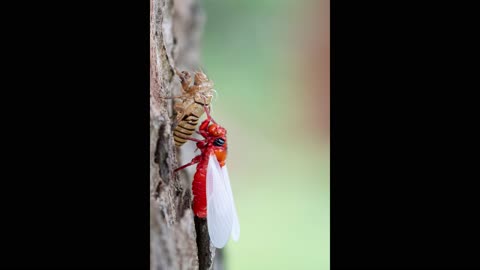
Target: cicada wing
236,223
219,205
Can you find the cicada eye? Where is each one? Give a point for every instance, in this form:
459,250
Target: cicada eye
218,142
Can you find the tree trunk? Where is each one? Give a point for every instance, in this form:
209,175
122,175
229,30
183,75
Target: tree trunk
177,239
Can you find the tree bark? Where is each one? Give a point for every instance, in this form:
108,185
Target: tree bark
177,239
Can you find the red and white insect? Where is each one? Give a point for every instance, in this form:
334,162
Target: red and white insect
212,193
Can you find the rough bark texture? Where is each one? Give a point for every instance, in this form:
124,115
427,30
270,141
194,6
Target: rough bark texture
175,31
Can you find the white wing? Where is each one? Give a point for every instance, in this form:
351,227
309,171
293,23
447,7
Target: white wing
220,206
236,223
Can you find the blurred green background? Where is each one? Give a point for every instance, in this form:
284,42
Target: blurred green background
269,62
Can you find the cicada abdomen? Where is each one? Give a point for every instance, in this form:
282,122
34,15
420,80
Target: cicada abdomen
188,119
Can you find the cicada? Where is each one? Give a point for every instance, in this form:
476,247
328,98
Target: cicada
212,193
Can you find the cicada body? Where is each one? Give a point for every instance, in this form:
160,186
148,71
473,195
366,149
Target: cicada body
212,193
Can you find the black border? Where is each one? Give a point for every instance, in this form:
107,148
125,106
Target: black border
402,179
403,194
77,163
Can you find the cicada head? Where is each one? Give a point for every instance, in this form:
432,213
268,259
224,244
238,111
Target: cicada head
219,141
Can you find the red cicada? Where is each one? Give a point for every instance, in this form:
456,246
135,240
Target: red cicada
212,193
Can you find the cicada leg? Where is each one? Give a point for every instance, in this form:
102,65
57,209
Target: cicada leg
195,160
185,79
207,111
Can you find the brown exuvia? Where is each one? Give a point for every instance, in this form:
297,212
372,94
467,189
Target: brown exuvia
190,105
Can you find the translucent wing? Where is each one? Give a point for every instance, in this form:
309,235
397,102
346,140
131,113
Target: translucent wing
236,223
220,208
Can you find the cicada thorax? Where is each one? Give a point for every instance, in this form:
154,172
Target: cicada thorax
187,119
